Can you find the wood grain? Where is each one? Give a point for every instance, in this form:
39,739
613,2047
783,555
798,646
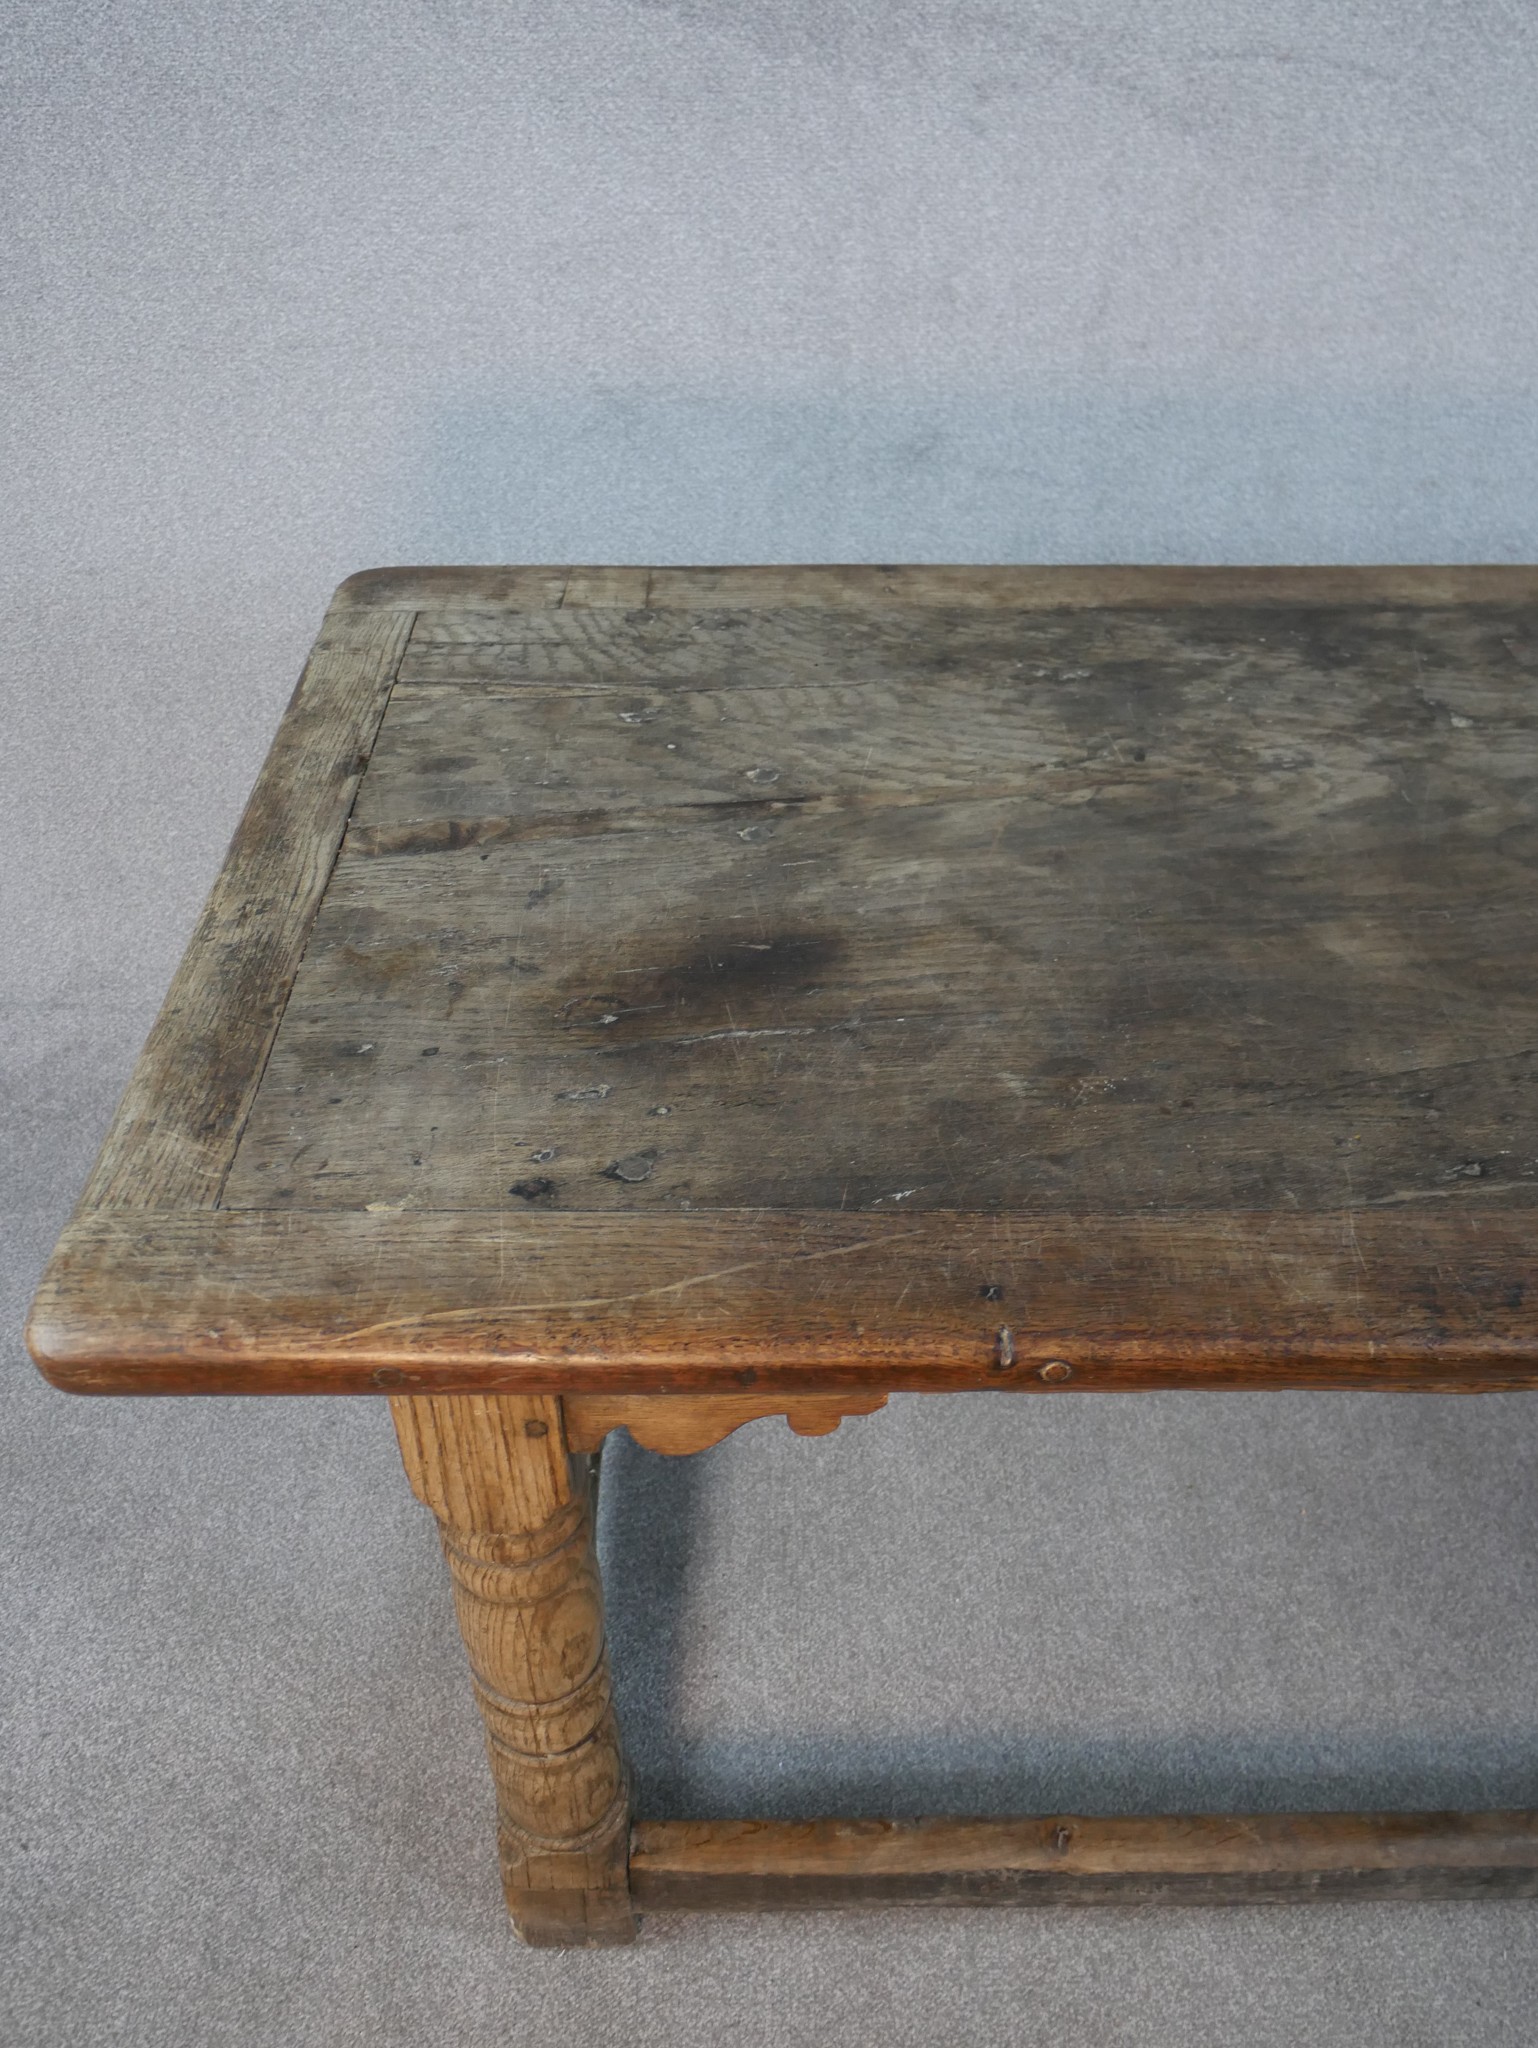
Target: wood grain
678,1425
1067,1859
174,1132
516,1526
1436,1298
1075,586
612,649
489,1463
795,708
1236,913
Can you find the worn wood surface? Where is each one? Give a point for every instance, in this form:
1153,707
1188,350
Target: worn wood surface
854,979
1427,1295
1131,913
516,1527
633,651
1065,1859
681,1424
172,1138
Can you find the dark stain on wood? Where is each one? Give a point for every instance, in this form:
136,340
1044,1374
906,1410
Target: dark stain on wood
716,980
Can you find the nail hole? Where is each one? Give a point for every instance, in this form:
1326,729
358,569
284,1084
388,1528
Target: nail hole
635,1166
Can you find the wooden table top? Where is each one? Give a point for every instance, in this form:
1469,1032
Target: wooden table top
826,979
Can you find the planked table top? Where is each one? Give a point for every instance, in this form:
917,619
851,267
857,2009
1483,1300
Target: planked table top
823,979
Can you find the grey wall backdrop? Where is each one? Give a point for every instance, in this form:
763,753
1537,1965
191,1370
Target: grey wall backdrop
294,289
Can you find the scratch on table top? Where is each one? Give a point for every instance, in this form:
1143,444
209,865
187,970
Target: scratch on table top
483,1311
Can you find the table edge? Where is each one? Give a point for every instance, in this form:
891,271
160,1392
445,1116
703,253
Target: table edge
251,1301
1072,586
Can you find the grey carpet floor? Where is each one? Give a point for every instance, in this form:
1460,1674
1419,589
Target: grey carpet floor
290,290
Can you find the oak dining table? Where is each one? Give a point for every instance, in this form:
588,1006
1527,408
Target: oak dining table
659,999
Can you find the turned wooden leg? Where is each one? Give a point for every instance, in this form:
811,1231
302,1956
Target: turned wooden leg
516,1521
